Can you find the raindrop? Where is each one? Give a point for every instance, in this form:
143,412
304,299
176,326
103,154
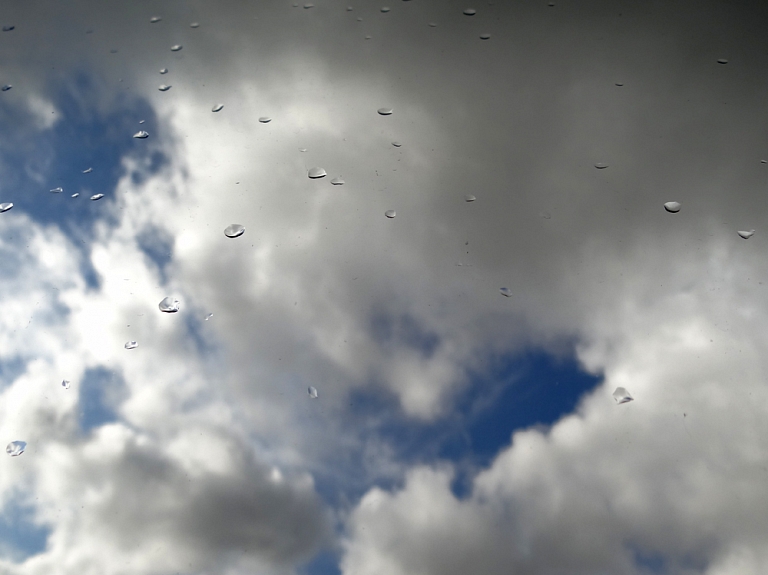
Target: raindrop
308,5
385,111
338,181
169,305
485,36
155,19
368,36
163,70
194,25
114,51
141,122
265,119
315,173
545,215
5,206
6,87
672,207
601,166
164,87
75,195
349,8
176,47
433,24
359,18
131,345
87,170
312,392
396,144
722,61
505,291
95,197
217,108
619,83
469,198
764,161
470,12
390,214
234,230
65,383
8,28
385,8
746,235
141,134
209,316
621,395
57,190
302,149
15,448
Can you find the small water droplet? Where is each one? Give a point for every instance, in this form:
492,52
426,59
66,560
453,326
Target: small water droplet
485,36
506,292
302,149
141,135
75,195
349,8
368,36
470,12
164,87
8,28
176,47
396,144
315,173
87,170
545,215
746,235
469,198
155,19
619,83
390,213
163,70
385,111
95,197
65,383
621,395
217,108
114,51
141,121
169,305
312,392
722,61
385,9
209,316
433,24
265,119
338,181
15,448
308,6
672,207
601,166
764,161
234,230
5,206
359,18
57,190
6,87
194,25
131,345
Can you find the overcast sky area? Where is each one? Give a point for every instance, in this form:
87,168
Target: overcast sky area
342,392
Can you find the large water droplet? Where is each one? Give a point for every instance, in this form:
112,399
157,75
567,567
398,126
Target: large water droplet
169,305
621,395
164,87
8,28
308,5
722,61
746,235
506,292
65,383
57,190
6,87
470,12
385,9
485,36
601,166
163,70
209,316
141,135
234,230
155,19
131,345
338,181
384,111
5,206
95,197
265,119
312,392
176,47
315,173
469,198
390,213
87,170
15,448
194,25
396,144
76,194
672,207
217,108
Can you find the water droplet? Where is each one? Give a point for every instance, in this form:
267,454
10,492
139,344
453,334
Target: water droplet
601,166
621,395
76,194
95,197
57,190
396,144
164,87
385,9
163,70
672,207
131,345
338,181
746,235
368,36
485,36
15,448
506,292
470,12
169,305
194,25
142,121
308,6
87,170
359,18
176,47
619,83
469,198
65,383
390,213
234,230
265,119
141,135
209,316
384,111
315,173
155,19
302,149
349,8
5,206
722,61
6,87
433,24
312,392
8,28
545,215
217,108
114,51
764,161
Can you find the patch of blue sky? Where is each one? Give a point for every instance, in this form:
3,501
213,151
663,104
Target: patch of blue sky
101,392
157,245
20,536
10,369
402,330
326,562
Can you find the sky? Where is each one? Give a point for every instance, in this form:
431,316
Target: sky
457,426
